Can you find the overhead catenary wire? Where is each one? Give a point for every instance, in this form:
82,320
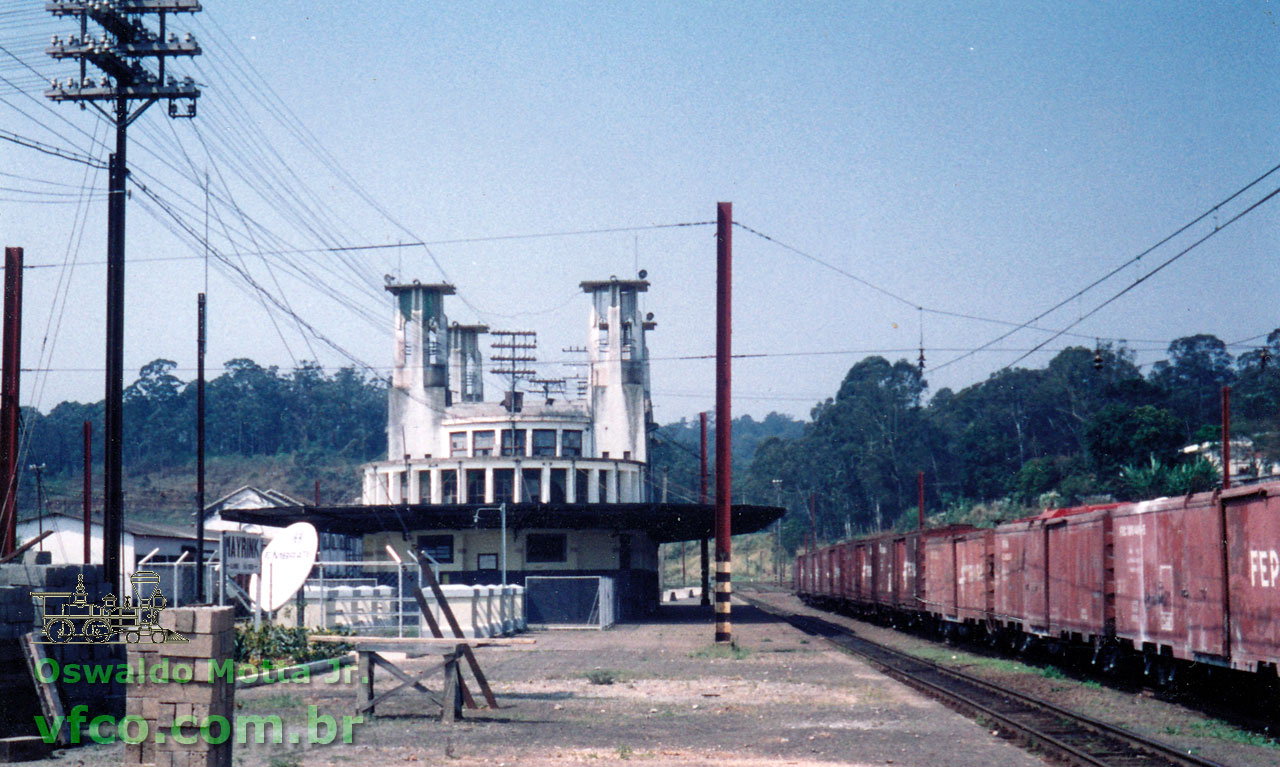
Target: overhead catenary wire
1113,272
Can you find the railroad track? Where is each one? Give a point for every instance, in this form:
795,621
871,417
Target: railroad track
1067,735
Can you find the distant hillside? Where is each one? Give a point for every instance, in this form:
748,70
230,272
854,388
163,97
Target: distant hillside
167,493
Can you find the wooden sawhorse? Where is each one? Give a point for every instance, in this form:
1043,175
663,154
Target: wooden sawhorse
449,699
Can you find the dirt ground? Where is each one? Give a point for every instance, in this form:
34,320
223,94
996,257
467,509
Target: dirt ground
671,697
1175,725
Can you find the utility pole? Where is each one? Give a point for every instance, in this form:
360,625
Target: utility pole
516,348
38,468
1226,438
88,492
724,472
119,52
777,533
9,412
200,347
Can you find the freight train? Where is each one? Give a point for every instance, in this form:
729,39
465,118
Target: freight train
1164,583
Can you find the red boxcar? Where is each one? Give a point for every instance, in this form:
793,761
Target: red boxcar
1251,518
973,584
907,550
1052,575
1169,585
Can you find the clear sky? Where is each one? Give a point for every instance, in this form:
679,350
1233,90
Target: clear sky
985,159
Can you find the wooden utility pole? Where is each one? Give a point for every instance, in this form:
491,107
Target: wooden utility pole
9,413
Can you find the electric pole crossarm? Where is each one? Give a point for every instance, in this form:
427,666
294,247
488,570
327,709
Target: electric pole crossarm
153,48
76,7
69,92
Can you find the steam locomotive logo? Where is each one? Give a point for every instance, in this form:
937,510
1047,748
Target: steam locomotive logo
79,621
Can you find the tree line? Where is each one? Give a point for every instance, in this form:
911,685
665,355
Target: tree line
249,410
1089,425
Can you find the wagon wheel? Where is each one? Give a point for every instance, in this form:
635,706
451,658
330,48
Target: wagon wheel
158,636
97,630
60,630
132,636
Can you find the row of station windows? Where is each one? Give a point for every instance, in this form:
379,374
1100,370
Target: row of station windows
499,485
517,442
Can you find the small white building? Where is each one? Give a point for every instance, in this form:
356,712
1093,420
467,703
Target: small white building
1246,461
66,544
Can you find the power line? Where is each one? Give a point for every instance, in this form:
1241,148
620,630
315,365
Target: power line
1117,269
1149,274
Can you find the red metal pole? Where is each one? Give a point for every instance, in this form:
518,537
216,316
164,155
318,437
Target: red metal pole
920,494
702,498
724,473
813,521
1226,437
88,491
10,362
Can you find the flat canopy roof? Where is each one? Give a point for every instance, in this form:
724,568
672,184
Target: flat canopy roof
664,522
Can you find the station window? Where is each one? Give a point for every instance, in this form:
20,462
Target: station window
475,485
531,492
544,442
438,547
545,547
504,485
571,443
457,443
482,443
557,488
449,486
404,486
506,442
581,480
424,487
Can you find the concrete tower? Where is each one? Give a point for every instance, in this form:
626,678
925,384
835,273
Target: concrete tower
419,378
619,361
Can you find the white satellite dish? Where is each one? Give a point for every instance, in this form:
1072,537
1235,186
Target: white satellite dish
286,563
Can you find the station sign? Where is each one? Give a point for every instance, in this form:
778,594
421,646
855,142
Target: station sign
241,552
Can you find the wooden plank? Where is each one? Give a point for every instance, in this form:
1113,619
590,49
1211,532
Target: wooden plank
18,551
408,644
434,625
405,679
449,708
457,632
50,703
364,683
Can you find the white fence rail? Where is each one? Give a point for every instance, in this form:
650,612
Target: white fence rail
369,597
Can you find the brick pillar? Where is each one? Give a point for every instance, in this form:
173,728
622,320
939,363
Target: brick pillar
208,695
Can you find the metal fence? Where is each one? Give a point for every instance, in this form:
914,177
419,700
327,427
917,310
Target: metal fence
366,597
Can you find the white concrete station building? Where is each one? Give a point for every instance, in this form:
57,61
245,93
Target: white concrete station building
565,472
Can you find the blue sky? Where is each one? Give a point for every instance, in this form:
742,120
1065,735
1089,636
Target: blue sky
986,159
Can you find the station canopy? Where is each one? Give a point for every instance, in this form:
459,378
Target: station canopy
663,522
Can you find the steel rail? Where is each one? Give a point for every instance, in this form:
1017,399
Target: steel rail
1112,745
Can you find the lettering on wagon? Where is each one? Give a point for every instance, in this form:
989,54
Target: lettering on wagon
1264,568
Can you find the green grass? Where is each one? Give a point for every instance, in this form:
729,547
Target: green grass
606,675
722,652
1220,730
279,700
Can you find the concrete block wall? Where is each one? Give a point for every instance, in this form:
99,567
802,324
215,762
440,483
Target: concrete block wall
209,697
20,614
